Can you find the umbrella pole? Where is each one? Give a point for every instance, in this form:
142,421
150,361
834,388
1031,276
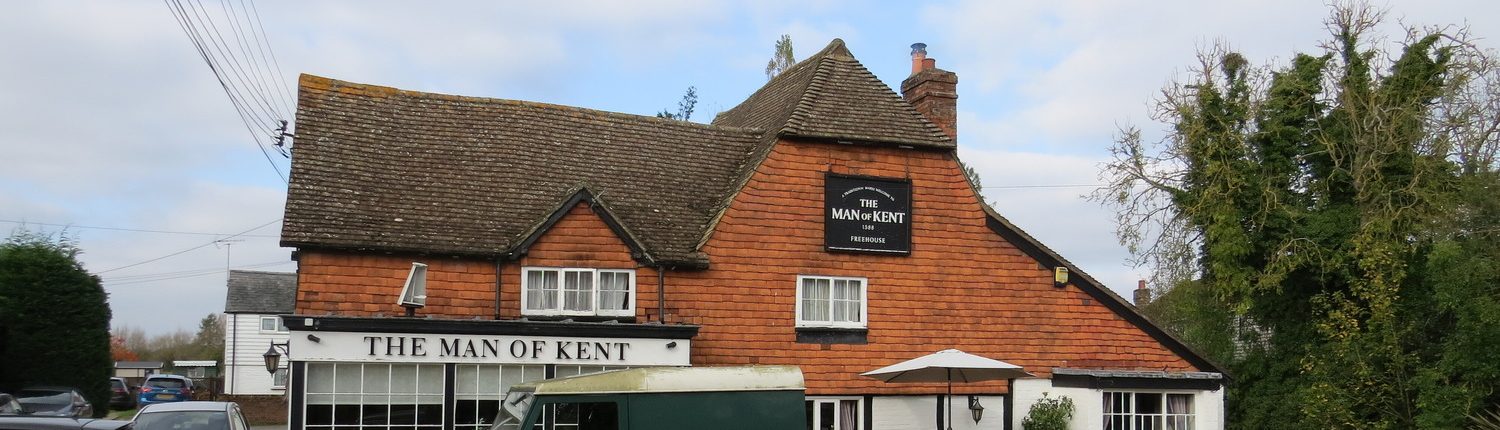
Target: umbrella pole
950,399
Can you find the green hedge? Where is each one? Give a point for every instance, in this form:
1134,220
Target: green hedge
54,319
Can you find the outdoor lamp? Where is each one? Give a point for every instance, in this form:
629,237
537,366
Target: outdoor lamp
975,408
273,358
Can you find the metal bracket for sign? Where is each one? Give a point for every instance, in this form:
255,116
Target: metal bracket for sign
898,205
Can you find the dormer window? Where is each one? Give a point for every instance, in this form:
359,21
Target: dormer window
577,292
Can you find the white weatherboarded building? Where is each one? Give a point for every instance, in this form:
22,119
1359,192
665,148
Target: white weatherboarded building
253,308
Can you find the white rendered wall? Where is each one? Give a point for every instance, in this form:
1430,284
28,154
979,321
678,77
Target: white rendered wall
920,413
1088,414
244,362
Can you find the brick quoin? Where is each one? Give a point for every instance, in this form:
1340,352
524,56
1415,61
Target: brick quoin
962,286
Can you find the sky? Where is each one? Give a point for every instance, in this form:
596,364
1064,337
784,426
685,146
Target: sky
114,132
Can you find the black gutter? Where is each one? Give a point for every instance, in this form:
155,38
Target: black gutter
490,327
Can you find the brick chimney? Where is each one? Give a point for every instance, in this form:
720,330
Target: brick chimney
933,91
1142,294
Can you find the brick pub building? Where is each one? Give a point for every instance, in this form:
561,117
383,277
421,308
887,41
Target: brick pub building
825,222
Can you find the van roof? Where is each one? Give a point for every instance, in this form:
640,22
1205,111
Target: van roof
673,380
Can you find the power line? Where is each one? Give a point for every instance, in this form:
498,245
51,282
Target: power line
135,230
221,45
1043,186
256,32
247,92
266,39
259,81
186,274
189,249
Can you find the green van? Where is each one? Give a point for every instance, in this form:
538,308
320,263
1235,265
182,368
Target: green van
663,398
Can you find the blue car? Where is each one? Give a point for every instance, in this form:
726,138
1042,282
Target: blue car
165,388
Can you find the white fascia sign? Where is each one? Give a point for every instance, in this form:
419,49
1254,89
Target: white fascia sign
488,349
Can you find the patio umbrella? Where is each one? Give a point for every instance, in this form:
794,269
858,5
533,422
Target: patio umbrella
947,366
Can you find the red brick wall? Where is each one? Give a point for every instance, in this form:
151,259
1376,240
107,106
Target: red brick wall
355,284
962,286
261,410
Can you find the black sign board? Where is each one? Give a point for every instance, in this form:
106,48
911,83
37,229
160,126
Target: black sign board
864,214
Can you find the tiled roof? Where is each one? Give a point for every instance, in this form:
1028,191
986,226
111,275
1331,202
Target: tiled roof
261,292
378,168
381,168
137,364
830,95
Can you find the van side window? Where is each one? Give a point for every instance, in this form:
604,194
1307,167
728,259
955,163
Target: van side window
587,416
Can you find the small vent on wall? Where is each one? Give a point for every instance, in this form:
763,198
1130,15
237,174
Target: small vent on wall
414,293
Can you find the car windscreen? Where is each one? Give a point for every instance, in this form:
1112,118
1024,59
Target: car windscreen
513,410
116,383
45,400
165,383
182,420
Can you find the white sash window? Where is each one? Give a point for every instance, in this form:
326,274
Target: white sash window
577,292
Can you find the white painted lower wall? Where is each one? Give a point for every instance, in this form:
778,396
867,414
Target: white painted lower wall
920,413
244,364
1208,406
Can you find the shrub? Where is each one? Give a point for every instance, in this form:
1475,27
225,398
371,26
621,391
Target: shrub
1049,413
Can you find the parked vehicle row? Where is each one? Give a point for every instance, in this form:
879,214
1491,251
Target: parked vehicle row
161,416
165,402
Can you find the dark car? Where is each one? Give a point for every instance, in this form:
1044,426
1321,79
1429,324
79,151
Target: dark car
121,396
190,416
165,388
54,401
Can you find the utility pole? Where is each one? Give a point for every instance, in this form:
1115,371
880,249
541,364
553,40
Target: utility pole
227,244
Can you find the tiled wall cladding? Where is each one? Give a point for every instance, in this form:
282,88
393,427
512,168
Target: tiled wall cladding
963,286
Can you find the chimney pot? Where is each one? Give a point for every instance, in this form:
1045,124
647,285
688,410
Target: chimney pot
918,55
929,64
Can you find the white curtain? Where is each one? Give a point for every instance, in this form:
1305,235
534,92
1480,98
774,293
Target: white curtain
815,306
848,414
1179,412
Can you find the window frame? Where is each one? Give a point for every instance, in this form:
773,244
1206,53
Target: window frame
285,374
864,303
859,410
326,387
280,326
1132,417
595,310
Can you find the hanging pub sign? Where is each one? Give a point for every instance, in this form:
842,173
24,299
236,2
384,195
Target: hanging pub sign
865,214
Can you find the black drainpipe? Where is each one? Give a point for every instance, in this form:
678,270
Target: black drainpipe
498,277
661,293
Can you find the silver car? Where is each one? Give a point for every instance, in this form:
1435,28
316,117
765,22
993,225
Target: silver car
190,416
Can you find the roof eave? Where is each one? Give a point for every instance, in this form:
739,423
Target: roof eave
1086,283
